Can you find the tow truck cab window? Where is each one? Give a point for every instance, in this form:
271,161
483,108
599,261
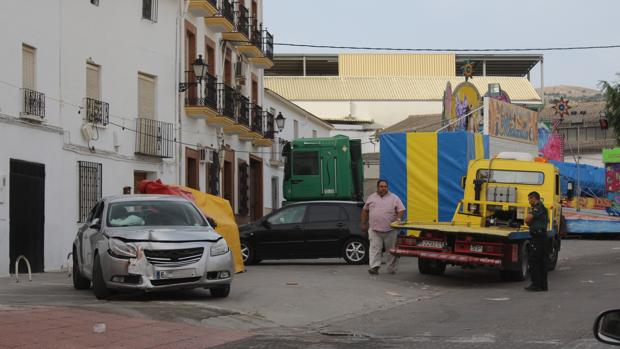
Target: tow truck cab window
511,177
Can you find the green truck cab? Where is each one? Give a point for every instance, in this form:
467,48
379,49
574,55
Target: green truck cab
488,227
323,169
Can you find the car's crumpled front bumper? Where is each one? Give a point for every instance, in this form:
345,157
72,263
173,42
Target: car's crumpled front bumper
208,272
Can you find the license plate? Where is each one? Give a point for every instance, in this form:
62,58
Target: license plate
174,274
476,248
431,243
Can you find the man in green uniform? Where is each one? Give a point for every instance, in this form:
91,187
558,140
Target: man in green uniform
538,220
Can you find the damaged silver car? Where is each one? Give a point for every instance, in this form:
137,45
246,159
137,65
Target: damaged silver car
149,243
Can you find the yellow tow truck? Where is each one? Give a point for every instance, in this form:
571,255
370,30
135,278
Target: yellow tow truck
488,227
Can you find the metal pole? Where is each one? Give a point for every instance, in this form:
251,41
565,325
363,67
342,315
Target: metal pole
578,205
542,81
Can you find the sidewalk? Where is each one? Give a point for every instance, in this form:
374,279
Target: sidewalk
61,327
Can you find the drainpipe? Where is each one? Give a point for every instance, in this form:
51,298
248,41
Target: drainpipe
178,62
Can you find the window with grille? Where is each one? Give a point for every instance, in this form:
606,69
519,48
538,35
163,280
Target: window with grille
89,187
149,10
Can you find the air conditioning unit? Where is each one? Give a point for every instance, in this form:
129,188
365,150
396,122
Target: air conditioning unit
240,73
206,156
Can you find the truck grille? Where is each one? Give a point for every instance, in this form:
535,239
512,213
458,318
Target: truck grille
174,258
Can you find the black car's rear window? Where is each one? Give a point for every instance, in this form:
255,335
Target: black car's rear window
154,213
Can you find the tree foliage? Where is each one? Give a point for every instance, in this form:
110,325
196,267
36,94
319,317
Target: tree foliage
611,92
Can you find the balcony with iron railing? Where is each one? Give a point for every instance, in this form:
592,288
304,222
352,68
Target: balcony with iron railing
154,138
268,45
270,125
240,35
243,110
226,106
268,128
97,112
253,49
257,120
203,8
265,58
224,20
201,96
34,104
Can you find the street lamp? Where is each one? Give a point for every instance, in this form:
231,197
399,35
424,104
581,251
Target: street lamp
200,68
200,71
280,121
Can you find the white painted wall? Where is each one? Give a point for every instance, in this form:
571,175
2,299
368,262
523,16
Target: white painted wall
66,34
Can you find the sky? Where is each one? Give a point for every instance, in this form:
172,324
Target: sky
460,24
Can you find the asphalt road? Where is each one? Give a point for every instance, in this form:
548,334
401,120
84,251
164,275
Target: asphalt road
328,304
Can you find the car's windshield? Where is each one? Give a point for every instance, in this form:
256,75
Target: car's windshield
512,177
154,213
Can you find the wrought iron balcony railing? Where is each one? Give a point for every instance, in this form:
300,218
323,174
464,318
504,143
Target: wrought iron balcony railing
226,100
203,93
257,119
242,24
268,44
227,11
270,129
34,103
154,138
243,110
97,112
256,39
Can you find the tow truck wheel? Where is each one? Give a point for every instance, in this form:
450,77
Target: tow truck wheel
522,272
431,266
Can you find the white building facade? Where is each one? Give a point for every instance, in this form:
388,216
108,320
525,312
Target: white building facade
225,130
96,97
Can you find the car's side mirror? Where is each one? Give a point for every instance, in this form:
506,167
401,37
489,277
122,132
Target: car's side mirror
95,224
607,327
265,223
463,181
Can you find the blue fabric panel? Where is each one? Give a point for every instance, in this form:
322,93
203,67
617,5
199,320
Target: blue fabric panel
393,163
592,178
454,150
486,146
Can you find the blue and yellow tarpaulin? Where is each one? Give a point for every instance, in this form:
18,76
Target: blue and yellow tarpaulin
425,168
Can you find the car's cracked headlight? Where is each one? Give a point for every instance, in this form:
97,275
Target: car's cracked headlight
218,248
120,249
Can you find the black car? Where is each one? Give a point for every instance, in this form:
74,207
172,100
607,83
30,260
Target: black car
312,229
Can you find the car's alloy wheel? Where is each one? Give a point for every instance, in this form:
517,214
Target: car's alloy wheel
355,251
247,253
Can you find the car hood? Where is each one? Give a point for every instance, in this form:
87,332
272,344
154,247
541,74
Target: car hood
167,234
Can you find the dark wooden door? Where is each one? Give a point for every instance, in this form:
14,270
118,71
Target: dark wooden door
27,214
256,189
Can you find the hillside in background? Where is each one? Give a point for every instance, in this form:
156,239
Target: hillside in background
573,93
